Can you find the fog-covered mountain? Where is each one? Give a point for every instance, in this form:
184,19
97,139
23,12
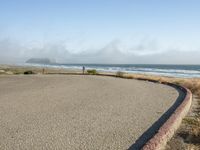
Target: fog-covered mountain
39,61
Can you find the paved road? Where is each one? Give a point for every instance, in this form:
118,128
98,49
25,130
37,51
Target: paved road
78,112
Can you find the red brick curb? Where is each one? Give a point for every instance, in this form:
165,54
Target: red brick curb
167,130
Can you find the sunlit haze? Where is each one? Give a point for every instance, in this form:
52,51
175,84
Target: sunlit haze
100,31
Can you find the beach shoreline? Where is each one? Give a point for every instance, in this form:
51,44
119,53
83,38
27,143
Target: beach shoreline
174,71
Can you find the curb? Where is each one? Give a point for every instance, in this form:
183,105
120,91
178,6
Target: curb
167,130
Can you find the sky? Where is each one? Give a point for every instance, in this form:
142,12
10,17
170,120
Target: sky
101,31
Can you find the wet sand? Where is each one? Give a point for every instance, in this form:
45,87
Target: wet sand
78,112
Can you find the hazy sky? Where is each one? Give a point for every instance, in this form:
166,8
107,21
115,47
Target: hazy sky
101,31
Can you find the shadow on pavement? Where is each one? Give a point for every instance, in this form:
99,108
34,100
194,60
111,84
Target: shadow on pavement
150,132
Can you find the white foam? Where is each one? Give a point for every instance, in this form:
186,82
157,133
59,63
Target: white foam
153,71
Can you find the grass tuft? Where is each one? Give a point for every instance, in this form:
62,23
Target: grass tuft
93,72
120,74
28,72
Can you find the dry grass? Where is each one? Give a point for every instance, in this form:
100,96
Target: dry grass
19,70
192,84
38,70
194,128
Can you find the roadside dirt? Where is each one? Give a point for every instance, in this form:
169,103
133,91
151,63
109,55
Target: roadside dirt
187,136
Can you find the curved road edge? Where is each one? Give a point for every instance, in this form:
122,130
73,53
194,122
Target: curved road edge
167,130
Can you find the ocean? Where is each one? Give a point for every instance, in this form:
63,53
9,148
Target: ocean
185,71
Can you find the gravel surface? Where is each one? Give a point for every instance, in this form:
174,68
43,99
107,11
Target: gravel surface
78,112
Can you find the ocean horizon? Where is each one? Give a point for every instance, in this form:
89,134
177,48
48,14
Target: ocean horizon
172,70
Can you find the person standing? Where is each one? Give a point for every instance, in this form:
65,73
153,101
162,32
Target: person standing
83,69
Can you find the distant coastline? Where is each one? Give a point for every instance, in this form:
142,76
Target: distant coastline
178,71
182,71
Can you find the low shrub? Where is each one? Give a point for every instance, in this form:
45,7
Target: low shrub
28,72
92,71
119,74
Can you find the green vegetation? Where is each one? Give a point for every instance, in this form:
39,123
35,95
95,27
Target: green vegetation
92,71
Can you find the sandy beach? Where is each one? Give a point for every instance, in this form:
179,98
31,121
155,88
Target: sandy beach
78,112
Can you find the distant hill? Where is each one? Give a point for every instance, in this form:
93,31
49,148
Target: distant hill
39,61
